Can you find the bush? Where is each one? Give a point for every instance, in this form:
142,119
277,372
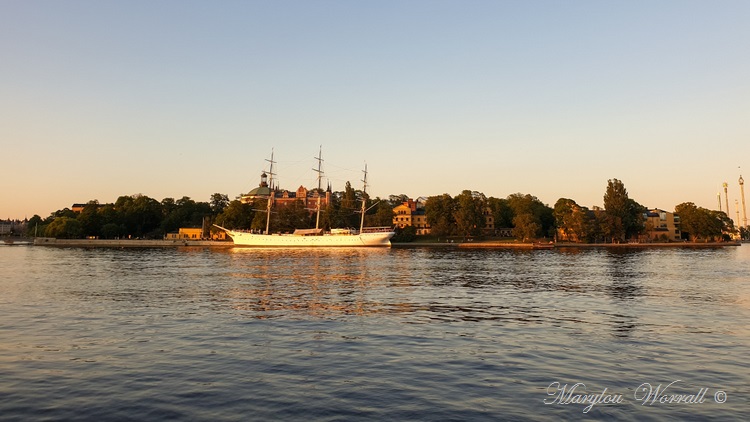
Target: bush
407,234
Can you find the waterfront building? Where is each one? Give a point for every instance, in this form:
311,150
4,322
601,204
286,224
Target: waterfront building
78,208
282,197
662,225
411,213
489,222
186,233
195,233
13,227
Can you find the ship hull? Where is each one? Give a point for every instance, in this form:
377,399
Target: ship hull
378,239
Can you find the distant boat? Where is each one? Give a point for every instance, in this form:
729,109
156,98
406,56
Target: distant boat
13,242
539,245
317,237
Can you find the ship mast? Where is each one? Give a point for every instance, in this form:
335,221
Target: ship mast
364,199
271,193
320,175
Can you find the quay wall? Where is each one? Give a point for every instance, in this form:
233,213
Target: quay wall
128,243
140,243
519,245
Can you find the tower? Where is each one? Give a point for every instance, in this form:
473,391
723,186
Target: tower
726,197
718,196
742,195
737,209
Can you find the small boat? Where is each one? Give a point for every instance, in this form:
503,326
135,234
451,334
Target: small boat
539,245
13,242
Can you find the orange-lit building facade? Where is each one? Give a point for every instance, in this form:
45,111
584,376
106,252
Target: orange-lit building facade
411,213
662,225
283,197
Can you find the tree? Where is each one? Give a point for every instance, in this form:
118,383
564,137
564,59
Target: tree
611,227
501,211
636,222
627,214
290,217
111,231
236,215
64,228
383,216
701,223
141,215
108,214
439,211
576,222
35,226
349,207
218,202
529,204
406,234
260,218
527,226
616,206
90,219
469,213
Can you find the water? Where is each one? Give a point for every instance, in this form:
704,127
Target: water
370,334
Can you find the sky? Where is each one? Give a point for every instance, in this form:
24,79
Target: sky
173,98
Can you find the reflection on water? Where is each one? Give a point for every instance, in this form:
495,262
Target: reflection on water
394,334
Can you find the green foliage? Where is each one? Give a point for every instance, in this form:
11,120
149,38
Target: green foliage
381,215
468,213
349,207
218,203
626,215
404,235
501,211
577,223
542,215
236,215
129,216
64,228
439,211
111,231
65,212
290,217
527,226
260,217
343,210
90,219
702,224
35,226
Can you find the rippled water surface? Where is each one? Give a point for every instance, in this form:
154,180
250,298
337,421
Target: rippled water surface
371,334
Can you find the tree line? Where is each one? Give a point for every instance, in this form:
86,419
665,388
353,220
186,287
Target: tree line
139,216
465,215
621,219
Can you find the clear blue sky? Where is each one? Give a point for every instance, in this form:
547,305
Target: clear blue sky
186,98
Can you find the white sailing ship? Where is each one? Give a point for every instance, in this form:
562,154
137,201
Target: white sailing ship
317,237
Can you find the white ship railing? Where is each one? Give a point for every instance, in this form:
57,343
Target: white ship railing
377,229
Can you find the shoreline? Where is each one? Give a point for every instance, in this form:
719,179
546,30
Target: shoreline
547,246
129,243
142,243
